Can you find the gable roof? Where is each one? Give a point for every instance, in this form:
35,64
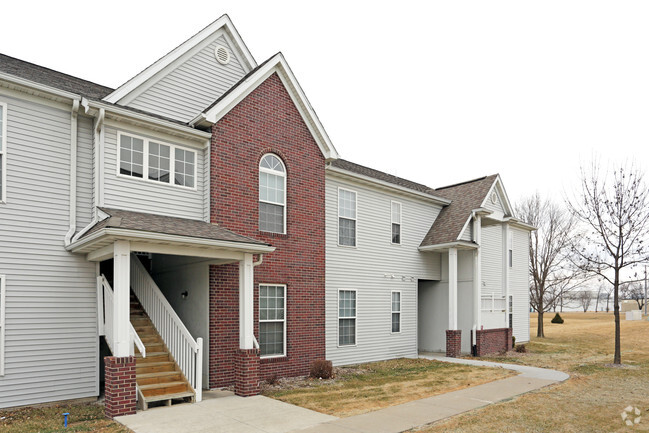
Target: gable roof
465,197
49,77
167,61
276,64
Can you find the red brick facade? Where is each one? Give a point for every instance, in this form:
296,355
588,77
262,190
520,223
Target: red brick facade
120,386
453,343
490,341
246,381
268,121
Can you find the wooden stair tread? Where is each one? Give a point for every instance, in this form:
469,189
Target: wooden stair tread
158,374
168,396
154,354
161,385
153,364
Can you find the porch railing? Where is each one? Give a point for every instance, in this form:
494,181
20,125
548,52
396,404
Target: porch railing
187,352
493,304
106,318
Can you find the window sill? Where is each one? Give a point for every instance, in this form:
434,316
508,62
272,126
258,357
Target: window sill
273,359
273,235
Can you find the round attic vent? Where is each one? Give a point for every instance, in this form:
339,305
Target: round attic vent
494,198
222,55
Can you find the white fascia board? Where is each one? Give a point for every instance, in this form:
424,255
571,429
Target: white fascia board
166,61
128,234
146,120
458,244
41,89
401,189
277,64
466,224
520,224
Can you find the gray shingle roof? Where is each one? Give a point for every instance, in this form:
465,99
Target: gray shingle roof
464,197
385,177
52,78
140,221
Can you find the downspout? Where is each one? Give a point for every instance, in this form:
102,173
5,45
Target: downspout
73,172
98,149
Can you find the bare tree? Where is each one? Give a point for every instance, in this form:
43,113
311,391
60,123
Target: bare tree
633,291
549,246
585,298
615,211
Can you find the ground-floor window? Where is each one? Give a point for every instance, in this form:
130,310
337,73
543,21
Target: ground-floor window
272,320
346,317
511,312
2,325
396,311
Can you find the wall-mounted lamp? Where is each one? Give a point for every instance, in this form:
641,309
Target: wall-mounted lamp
184,294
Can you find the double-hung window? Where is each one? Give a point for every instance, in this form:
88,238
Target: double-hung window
346,317
151,160
2,325
396,222
346,217
272,320
3,152
396,311
272,194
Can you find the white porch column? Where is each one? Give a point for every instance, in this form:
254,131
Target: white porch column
452,288
121,298
477,273
246,303
506,235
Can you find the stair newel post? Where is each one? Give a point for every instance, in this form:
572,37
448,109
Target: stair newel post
198,372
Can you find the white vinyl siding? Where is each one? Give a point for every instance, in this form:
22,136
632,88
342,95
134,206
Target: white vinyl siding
84,171
272,194
2,325
272,320
143,195
369,267
395,212
347,212
50,305
519,284
492,259
3,152
467,234
193,85
346,317
396,311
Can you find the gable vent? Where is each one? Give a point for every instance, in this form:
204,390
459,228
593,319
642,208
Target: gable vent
222,55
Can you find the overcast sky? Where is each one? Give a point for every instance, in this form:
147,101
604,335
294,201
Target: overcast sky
436,92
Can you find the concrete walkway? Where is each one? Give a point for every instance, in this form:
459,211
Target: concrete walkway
417,413
221,412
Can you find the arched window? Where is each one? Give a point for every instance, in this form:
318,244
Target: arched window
272,194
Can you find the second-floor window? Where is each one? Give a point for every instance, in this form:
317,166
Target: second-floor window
346,217
396,222
272,194
139,156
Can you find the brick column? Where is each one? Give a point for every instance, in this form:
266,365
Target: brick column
120,386
246,375
453,343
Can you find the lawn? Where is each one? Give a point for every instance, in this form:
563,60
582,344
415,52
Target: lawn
368,387
83,418
592,400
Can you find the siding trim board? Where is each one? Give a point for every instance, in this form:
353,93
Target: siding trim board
2,324
3,152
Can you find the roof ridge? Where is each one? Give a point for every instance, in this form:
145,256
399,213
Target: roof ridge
465,182
430,189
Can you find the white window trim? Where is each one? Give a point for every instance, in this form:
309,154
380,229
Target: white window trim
3,152
284,175
145,162
510,250
2,323
355,319
284,320
393,202
340,188
392,311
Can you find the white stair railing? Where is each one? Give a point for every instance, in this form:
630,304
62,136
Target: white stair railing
187,352
106,318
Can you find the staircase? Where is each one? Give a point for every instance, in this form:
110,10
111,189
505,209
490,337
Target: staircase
158,376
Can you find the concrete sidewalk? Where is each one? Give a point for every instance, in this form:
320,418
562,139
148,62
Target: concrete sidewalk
417,413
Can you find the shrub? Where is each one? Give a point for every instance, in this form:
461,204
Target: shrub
513,341
521,348
557,319
321,369
273,380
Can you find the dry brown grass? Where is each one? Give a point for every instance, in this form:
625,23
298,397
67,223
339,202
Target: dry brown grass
381,384
591,400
